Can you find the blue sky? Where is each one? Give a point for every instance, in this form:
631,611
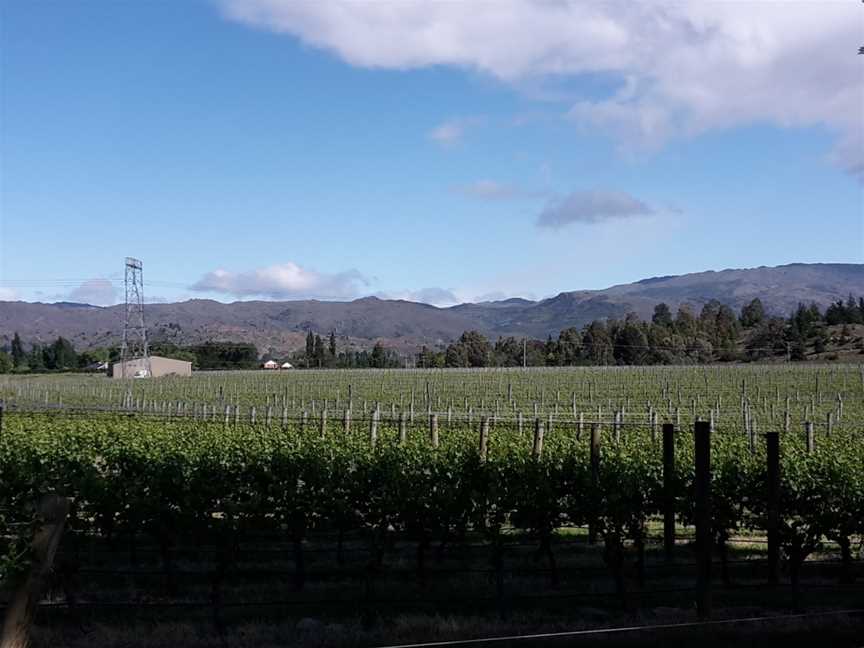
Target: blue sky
264,149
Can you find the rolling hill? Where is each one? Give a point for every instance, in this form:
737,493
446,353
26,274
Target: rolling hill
403,324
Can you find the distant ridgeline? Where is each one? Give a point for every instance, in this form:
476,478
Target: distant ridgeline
715,334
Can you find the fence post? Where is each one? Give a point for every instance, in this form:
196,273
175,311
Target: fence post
773,455
669,490
595,473
702,433
433,429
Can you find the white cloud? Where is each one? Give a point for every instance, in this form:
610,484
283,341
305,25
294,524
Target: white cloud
452,131
433,295
591,207
447,133
100,292
284,281
9,294
683,68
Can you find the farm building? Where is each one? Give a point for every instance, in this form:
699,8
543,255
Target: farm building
270,364
159,366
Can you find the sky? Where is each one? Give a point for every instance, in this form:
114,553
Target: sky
438,151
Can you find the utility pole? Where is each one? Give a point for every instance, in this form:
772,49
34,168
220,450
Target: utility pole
134,344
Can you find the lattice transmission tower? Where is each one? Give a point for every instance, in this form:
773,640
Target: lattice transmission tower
134,332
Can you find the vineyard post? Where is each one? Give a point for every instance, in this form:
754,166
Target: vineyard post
346,421
484,439
811,439
1,419
433,429
21,610
773,456
669,490
373,428
323,428
702,434
595,473
403,427
537,450
829,423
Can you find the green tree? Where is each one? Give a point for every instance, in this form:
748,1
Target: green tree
569,347
752,314
318,351
472,349
35,358
62,355
19,357
662,315
378,358
310,348
631,344
598,344
685,323
6,363
332,344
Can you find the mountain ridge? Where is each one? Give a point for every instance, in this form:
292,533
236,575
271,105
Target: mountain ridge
282,325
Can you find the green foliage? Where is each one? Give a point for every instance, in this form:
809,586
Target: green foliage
225,355
6,363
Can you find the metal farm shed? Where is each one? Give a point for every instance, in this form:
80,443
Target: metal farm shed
159,366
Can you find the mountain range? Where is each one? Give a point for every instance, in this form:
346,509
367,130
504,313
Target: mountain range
281,326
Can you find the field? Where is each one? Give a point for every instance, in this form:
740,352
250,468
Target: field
348,499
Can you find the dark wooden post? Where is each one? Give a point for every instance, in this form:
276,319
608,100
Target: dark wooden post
537,450
702,433
811,439
595,472
669,490
773,455
21,611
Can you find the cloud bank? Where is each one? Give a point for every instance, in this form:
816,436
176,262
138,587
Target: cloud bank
434,295
681,68
591,207
100,292
283,281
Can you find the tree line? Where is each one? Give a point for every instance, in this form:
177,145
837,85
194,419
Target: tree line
715,334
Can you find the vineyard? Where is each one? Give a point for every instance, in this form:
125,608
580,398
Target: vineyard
368,493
